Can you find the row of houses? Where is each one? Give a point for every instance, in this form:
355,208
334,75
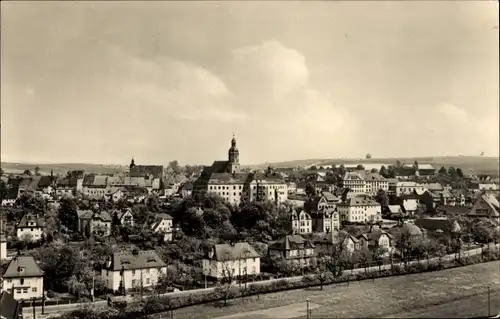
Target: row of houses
31,226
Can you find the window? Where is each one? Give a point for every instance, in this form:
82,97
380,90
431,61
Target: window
133,282
19,291
147,281
25,290
234,194
33,289
133,272
234,187
9,281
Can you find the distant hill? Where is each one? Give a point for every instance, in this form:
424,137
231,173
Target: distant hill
478,164
62,168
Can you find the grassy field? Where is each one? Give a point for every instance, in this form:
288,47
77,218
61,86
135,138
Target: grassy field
385,297
479,164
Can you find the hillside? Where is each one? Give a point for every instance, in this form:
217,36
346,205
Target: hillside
480,165
62,168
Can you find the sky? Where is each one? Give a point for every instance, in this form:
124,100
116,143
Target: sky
102,82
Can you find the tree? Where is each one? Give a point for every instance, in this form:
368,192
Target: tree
68,214
313,168
483,232
452,172
323,275
373,170
37,171
310,190
3,191
368,156
398,163
442,171
383,171
223,288
360,167
174,165
382,198
391,172
378,256
27,172
415,165
460,173
364,257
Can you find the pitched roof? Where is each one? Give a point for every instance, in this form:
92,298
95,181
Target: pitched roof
30,183
270,178
438,223
23,223
375,235
12,193
226,252
410,205
146,170
292,242
129,260
332,237
453,210
352,176
219,167
374,177
330,197
45,181
31,269
228,178
492,202
395,209
88,214
361,200
433,186
10,308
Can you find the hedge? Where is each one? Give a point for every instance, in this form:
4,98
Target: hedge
157,304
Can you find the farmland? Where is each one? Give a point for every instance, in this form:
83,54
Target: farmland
386,297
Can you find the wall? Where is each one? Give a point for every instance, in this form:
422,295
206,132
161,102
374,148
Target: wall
32,287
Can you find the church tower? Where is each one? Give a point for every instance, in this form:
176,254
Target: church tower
233,157
132,163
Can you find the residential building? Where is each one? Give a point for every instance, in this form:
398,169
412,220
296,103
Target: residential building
94,222
425,171
3,247
115,195
360,209
321,202
443,225
325,220
410,206
395,209
10,308
23,278
297,200
355,183
433,187
30,227
486,206
10,196
325,243
301,223
376,238
186,190
46,185
95,186
294,249
268,186
152,173
374,182
408,188
232,260
163,224
29,184
125,217
292,188
134,269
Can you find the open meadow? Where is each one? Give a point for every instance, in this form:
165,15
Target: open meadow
385,297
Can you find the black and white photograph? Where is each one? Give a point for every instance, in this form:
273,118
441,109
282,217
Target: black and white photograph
249,159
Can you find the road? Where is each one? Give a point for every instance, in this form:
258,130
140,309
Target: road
51,310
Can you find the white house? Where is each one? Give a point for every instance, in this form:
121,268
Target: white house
125,217
355,182
408,188
133,269
3,247
23,278
232,260
163,224
30,227
360,209
301,223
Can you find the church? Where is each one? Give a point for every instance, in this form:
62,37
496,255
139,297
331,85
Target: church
225,179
